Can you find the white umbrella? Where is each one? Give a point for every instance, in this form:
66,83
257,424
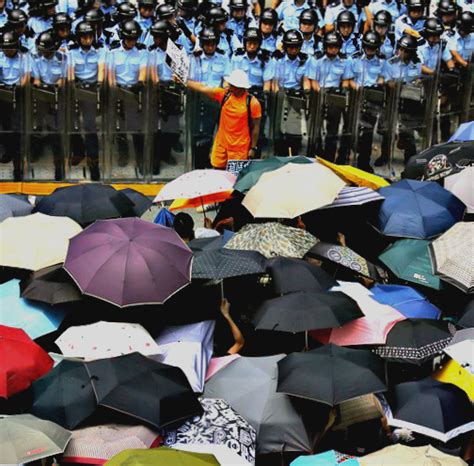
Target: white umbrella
462,186
461,349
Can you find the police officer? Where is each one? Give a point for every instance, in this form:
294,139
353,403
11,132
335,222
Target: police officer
382,22
43,22
108,9
128,74
145,16
413,21
461,44
168,13
431,50
334,9
208,65
238,21
87,64
332,72
3,13
289,12
446,12
309,26
48,70
62,30
18,22
345,24
394,7
13,75
368,68
268,27
124,12
96,19
217,18
187,22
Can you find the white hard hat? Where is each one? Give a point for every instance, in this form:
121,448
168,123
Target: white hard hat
238,78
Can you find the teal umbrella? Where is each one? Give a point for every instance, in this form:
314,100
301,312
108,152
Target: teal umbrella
409,259
250,174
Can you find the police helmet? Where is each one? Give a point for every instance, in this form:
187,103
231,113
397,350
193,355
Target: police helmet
433,27
383,18
130,30
408,42
238,4
187,5
125,11
46,42
160,28
61,19
447,7
371,39
17,17
308,17
46,4
466,22
252,34
150,3
165,11
345,17
94,16
269,15
293,38
415,4
9,40
207,35
216,15
332,38
84,28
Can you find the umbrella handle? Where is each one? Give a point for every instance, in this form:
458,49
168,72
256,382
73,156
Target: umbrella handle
203,210
222,289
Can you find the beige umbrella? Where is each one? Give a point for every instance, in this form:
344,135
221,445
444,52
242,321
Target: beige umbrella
462,186
397,455
293,190
35,241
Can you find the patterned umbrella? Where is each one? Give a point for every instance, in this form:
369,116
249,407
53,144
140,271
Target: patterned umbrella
219,425
453,258
354,195
273,239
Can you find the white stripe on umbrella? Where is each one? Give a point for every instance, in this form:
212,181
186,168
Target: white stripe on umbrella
354,195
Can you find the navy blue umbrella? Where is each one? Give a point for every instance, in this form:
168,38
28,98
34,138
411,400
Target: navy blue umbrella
418,209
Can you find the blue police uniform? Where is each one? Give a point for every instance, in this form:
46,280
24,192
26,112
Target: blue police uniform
127,64
330,72
67,6
350,45
290,72
398,70
333,10
269,43
367,71
466,5
259,69
13,69
463,45
157,57
209,70
191,24
395,8
430,55
239,27
3,18
289,13
387,49
145,24
404,22
85,63
311,46
49,70
38,24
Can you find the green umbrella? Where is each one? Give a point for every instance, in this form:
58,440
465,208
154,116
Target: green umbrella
162,456
249,175
25,438
409,259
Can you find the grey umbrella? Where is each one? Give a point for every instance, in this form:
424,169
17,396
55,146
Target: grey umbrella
249,386
13,205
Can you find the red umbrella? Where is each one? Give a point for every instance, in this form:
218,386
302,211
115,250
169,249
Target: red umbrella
22,361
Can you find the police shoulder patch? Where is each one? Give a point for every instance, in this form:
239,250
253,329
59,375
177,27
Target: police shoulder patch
114,45
220,51
239,51
197,53
278,54
140,46
303,57
73,46
264,55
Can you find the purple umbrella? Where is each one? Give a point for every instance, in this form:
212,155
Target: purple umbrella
129,261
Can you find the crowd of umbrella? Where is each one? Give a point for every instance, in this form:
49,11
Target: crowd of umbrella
118,394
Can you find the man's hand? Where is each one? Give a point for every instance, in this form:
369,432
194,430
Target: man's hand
252,154
225,308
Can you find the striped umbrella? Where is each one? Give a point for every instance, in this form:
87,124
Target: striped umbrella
354,195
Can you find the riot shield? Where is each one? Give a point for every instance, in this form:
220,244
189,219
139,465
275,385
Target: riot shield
265,138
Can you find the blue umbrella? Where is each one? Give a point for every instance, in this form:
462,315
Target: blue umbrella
34,318
164,217
465,132
13,205
408,301
328,458
418,209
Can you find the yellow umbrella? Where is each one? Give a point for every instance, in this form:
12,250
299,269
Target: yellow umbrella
355,175
35,241
292,190
397,455
453,373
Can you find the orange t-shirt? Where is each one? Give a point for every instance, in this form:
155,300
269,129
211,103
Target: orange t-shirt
233,132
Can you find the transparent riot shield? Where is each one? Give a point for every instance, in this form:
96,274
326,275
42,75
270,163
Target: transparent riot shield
127,105
13,93
170,154
316,115
265,138
46,118
467,92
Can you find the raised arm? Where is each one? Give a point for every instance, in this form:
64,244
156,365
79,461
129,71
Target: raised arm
236,333
199,87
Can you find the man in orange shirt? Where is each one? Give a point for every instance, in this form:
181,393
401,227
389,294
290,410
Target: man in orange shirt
239,122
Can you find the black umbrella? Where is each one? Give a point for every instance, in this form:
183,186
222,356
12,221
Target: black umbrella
415,341
133,385
467,318
290,275
141,203
331,374
435,409
217,264
51,285
304,311
87,203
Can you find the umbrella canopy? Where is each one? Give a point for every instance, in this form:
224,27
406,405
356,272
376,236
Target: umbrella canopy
72,390
273,239
218,363
25,438
353,196
308,310
467,318
250,174
328,458
435,409
219,425
224,455
35,241
460,184
291,275
98,444
453,373
410,456
200,185
86,203
249,386
415,341
418,209
452,256
216,264
22,361
461,349
162,456
129,262
164,217
345,257
34,318
406,300
141,203
409,259
51,285
12,205
465,132
207,244
292,190
105,340
331,374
